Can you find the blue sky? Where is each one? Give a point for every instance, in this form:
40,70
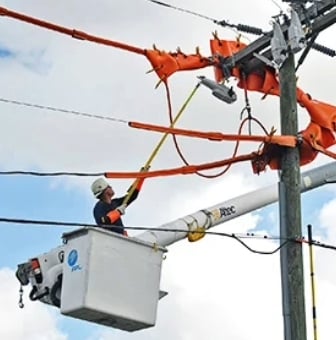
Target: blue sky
46,68
5,53
46,203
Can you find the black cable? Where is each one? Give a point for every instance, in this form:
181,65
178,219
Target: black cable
322,245
44,174
238,238
79,224
214,233
76,224
40,222
183,10
261,252
223,23
315,243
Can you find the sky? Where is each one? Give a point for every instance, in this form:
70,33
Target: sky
217,288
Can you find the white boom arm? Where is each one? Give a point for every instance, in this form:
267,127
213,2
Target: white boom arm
228,210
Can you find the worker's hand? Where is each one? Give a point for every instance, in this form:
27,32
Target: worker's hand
122,209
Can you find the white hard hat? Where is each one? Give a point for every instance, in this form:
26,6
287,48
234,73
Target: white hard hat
98,186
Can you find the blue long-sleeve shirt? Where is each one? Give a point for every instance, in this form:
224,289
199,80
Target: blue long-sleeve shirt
101,209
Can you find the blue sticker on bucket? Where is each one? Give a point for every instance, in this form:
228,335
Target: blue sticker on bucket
72,260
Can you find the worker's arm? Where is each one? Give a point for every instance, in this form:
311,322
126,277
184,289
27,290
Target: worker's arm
136,191
113,216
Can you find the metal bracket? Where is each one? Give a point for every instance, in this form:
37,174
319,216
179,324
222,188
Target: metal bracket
296,36
279,46
220,91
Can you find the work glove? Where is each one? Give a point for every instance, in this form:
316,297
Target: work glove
122,209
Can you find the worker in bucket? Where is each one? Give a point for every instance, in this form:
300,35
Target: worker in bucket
108,210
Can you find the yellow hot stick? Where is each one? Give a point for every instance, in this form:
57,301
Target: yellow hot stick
159,145
312,279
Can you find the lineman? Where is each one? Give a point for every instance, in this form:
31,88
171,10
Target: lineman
108,210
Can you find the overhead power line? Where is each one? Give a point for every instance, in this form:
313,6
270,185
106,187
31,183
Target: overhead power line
57,109
52,174
237,237
82,224
223,23
160,3
75,224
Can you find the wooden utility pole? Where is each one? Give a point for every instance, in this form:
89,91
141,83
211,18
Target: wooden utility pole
290,211
321,14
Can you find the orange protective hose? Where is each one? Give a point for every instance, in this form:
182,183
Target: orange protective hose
289,141
71,32
322,114
327,153
184,170
323,150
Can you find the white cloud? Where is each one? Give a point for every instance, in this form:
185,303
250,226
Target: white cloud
326,233
34,322
327,218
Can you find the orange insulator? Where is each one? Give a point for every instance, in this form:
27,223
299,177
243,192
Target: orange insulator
165,64
225,48
263,81
317,135
321,113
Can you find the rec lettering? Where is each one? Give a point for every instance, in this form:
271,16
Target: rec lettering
227,211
